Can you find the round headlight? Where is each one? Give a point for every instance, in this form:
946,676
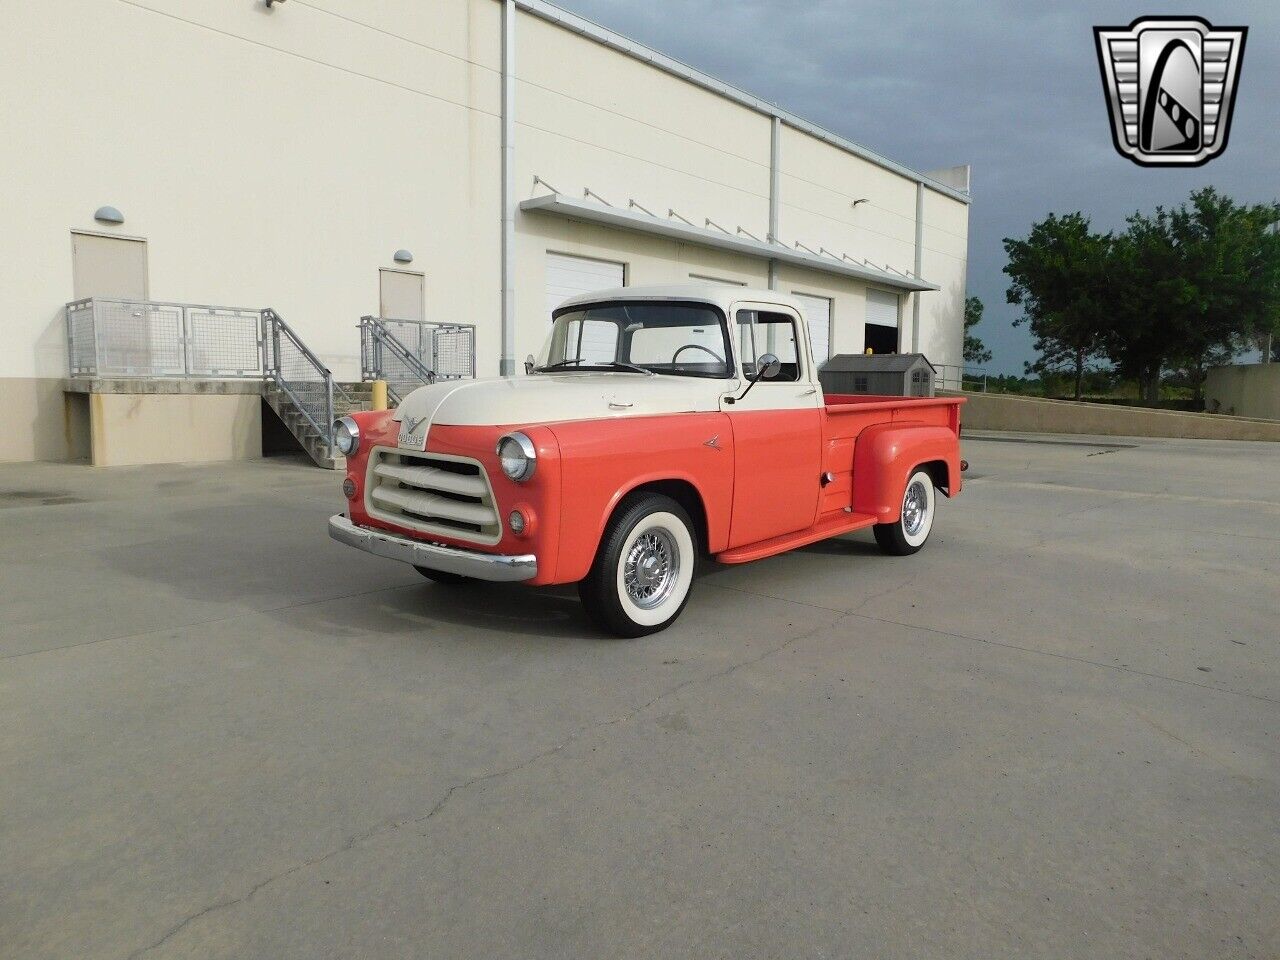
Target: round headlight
346,436
518,456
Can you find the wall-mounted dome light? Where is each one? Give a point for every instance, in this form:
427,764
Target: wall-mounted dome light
403,256
108,215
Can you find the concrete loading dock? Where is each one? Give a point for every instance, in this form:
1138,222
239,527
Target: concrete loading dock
223,736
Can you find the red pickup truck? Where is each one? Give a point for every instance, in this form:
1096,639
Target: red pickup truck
659,426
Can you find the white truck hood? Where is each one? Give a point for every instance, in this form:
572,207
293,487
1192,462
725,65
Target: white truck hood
551,398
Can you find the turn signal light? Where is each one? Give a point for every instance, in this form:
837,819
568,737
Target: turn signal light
349,488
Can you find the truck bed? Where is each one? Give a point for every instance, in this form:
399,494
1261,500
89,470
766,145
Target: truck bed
848,414
844,418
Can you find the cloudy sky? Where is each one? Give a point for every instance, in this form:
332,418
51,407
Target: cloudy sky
1010,87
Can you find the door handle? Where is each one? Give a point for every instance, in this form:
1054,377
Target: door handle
810,392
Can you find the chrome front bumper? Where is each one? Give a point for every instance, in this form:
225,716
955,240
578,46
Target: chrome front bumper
466,563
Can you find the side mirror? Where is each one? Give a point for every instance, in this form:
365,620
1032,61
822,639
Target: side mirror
529,364
767,367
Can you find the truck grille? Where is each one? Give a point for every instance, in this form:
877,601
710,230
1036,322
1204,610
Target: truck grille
432,493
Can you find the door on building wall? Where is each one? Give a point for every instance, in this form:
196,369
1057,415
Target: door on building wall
108,267
881,330
402,295
131,338
817,310
777,442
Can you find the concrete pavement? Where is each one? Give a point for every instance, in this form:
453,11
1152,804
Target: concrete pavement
1052,733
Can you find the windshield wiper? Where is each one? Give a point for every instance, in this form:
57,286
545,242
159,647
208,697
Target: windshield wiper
604,364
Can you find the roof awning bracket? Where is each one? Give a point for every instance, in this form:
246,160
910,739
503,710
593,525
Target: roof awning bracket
682,230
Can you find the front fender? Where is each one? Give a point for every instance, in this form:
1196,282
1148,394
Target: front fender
885,455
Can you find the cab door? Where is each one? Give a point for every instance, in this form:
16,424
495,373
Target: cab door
777,429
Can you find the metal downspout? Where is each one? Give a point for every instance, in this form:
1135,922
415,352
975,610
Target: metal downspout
775,147
507,364
915,299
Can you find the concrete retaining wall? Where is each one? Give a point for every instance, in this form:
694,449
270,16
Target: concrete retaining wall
992,411
130,429
1246,390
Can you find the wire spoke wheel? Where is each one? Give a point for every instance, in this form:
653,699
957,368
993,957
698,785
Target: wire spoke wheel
908,533
915,507
651,568
644,567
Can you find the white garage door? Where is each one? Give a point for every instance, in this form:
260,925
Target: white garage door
817,311
569,276
882,308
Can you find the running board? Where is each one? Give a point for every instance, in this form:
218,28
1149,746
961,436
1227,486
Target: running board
832,526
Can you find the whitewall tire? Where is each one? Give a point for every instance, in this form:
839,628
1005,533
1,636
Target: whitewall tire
644,567
909,532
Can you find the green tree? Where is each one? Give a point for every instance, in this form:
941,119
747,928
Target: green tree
1059,276
1149,295
975,351
1232,259
1192,287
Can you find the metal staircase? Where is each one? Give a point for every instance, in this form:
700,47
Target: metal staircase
195,348
303,393
410,353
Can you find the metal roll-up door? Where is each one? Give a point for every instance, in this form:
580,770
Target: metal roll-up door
817,310
570,276
880,334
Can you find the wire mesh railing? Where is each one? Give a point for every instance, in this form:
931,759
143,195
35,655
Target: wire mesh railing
108,337
410,353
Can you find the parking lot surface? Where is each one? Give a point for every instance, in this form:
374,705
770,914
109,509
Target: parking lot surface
1052,733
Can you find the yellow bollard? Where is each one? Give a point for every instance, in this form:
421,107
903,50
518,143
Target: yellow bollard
379,394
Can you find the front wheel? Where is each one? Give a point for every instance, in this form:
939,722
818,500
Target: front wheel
908,533
640,580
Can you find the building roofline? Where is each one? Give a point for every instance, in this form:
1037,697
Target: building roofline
632,48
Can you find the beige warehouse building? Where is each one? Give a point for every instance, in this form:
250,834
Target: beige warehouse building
470,161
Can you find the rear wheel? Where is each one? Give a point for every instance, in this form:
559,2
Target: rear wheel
442,576
908,533
640,580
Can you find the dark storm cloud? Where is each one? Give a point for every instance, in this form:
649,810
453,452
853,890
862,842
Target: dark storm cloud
1012,88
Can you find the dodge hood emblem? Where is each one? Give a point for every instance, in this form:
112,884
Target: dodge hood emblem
408,427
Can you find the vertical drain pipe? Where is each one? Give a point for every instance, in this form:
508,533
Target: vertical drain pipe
775,146
507,364
915,297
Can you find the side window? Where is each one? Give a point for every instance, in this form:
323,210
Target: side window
595,341
761,332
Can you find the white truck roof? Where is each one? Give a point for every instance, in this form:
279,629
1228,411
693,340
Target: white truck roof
722,295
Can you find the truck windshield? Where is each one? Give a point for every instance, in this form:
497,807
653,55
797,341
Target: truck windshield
683,339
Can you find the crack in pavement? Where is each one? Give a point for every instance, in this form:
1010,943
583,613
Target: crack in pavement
391,825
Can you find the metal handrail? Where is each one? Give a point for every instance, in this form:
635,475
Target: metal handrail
375,337
279,327
954,376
